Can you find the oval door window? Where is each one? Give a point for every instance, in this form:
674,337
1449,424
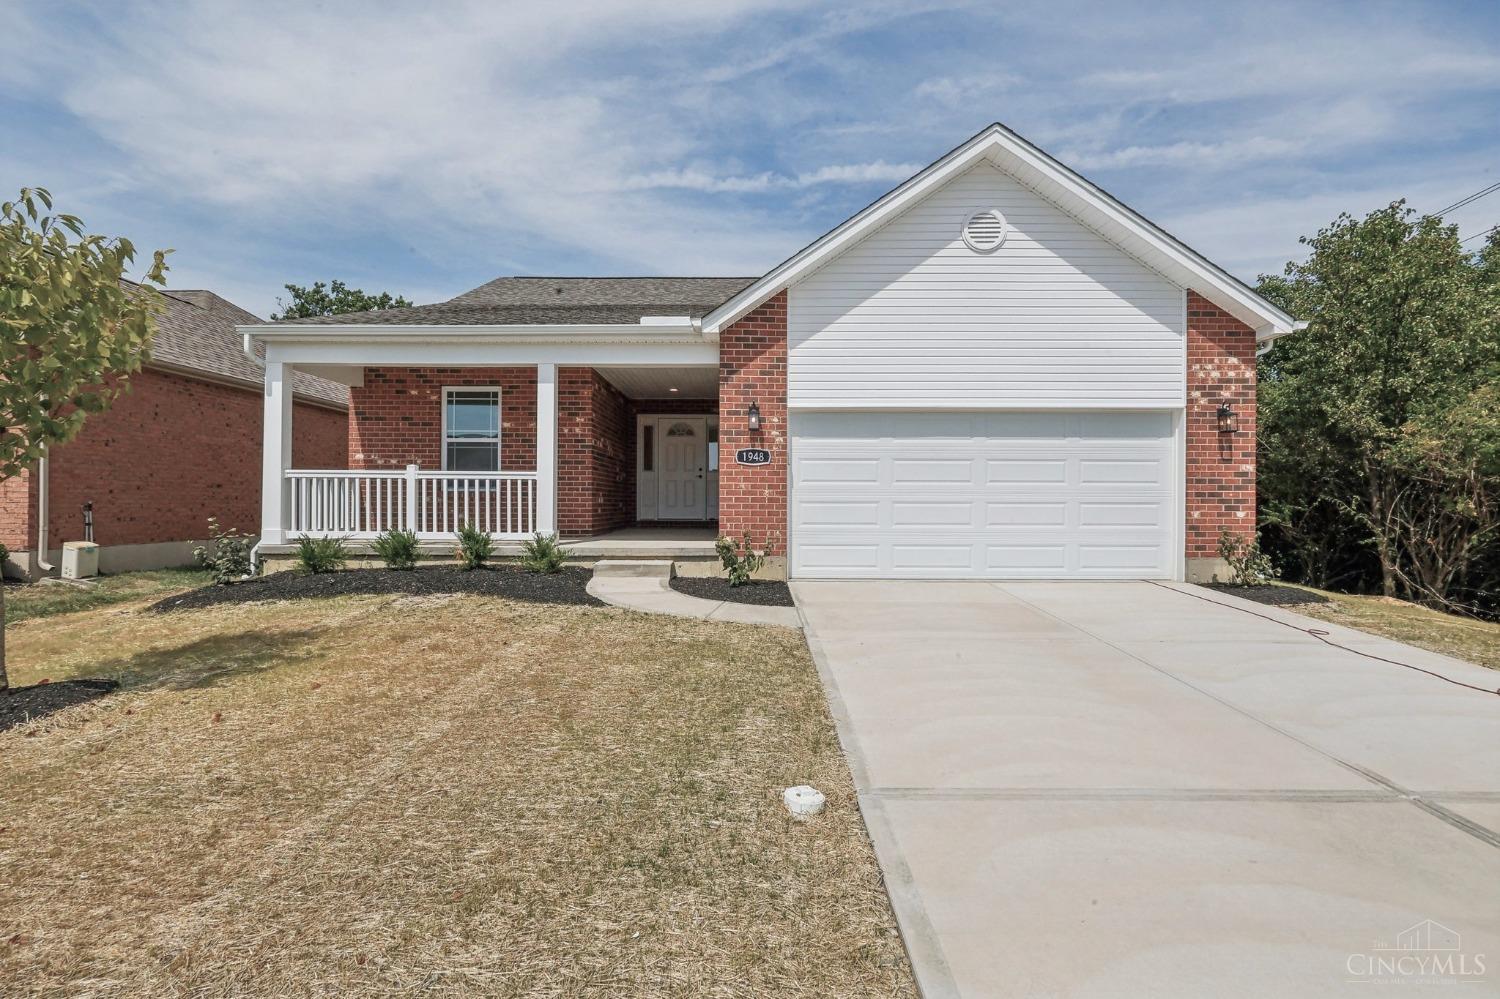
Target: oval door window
680,430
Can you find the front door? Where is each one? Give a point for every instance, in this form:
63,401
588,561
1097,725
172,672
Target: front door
683,494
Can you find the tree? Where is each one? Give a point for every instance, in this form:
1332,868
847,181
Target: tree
1378,420
71,331
333,299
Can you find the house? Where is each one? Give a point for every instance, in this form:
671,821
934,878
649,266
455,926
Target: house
180,446
997,370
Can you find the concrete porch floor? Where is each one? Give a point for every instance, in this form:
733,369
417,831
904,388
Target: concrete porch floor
646,542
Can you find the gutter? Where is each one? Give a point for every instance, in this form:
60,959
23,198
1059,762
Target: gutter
43,534
1268,342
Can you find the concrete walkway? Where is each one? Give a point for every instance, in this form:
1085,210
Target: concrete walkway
654,596
1120,789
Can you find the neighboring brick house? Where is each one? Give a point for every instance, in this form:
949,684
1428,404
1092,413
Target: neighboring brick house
181,445
995,371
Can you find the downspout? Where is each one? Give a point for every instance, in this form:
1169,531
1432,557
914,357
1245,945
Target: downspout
42,533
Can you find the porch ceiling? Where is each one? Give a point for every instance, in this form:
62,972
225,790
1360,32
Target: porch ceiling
659,383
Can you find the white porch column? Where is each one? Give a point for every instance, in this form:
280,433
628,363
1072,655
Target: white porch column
276,453
546,448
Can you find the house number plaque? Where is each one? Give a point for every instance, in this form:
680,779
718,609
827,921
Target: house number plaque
752,456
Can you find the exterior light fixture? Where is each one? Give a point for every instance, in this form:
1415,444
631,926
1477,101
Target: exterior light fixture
1229,421
754,417
672,389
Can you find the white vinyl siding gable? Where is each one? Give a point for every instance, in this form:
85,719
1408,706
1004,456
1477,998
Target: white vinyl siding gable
911,317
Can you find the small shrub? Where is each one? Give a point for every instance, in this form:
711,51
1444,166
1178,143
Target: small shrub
1248,565
543,554
474,547
398,549
316,556
226,553
739,559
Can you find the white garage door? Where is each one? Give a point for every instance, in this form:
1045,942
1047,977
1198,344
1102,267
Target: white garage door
1083,495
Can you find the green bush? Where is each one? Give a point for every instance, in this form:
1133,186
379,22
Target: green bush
474,547
739,559
398,549
1248,565
316,556
543,554
226,553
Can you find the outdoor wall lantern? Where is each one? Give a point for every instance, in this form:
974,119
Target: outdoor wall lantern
754,416
1229,421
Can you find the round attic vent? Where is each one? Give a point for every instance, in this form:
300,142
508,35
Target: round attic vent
985,230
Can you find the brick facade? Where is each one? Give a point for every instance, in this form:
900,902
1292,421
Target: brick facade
595,459
170,453
396,418
752,368
1220,466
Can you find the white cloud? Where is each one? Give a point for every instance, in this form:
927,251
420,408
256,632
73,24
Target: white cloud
845,173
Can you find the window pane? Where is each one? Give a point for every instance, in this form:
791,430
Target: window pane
648,447
474,414
466,457
713,457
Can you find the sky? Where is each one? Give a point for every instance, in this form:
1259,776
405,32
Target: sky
426,148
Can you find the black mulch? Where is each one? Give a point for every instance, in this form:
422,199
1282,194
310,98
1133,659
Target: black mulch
1276,596
766,592
22,704
566,587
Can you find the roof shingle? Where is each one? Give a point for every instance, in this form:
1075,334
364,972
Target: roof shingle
196,332
549,301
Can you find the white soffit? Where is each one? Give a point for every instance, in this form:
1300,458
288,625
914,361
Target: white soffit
658,383
1057,183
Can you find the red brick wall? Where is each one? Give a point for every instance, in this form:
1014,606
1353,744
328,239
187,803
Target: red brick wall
752,368
396,418
595,457
1220,466
169,454
17,512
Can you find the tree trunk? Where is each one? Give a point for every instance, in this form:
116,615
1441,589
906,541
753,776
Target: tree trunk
4,679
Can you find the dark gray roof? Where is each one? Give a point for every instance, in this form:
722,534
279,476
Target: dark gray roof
196,333
549,301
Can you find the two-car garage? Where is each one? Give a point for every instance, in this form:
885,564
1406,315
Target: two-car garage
1002,495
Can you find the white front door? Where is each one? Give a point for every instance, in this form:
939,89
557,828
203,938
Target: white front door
683,442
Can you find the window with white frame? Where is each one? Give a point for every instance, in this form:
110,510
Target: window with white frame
471,429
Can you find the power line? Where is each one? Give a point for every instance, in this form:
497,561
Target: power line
1482,232
1471,198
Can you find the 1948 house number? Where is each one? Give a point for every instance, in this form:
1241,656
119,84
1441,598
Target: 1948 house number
753,456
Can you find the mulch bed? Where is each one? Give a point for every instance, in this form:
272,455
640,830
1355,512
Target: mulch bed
24,704
566,587
1275,596
766,592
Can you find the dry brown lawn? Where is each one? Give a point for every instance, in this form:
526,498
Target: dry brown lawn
435,796
1461,637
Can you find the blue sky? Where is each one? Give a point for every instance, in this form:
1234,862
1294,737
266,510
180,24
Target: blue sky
426,148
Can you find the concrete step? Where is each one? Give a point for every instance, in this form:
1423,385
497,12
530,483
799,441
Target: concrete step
649,568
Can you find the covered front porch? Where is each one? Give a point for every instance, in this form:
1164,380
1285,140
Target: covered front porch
616,459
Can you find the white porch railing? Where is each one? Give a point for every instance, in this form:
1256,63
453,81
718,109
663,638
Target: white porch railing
361,504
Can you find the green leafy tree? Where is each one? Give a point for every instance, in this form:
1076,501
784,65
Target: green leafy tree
1377,421
72,330
333,299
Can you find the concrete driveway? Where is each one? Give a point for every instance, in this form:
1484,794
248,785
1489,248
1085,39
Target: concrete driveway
1120,789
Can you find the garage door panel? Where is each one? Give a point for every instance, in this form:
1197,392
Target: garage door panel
931,470
931,556
1121,471
1120,515
1039,471
1011,514
1077,495
815,470
929,514
1031,559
